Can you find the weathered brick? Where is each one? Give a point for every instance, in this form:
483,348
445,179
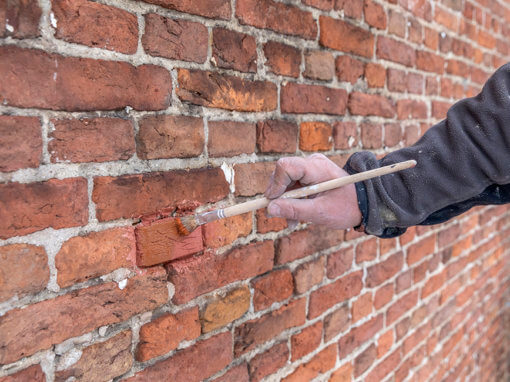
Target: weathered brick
32,207
329,295
224,231
95,25
340,262
211,89
302,99
101,361
307,340
20,19
303,243
359,335
20,142
98,253
383,295
384,367
349,69
351,8
257,331
415,30
375,75
269,362
165,136
396,51
319,364
384,343
411,109
315,136
363,361
210,8
362,307
345,135
39,326
366,250
272,287
228,138
433,284
279,17
91,140
23,270
194,364
439,109
429,62
342,374
419,250
224,310
252,178
195,276
384,270
392,134
374,15
233,50
319,65
401,307
236,374
415,83
129,196
175,39
33,373
371,135
431,39
397,80
336,322
266,224
325,5
397,23
282,59
308,274
404,281
371,104
51,81
276,136
345,37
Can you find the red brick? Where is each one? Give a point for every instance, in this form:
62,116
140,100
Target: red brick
23,18
404,281
257,331
359,335
306,341
336,322
165,136
384,343
349,69
431,38
33,373
39,326
422,10
32,207
433,284
397,80
159,242
279,17
392,134
319,65
439,109
363,361
223,310
195,276
397,24
233,50
329,295
396,51
212,8
95,25
269,362
266,224
340,262
375,75
449,20
98,253
362,307
371,135
486,39
236,374
384,368
282,59
23,270
415,31
351,8
276,136
419,250
415,83
195,363
401,307
345,37
315,136
366,250
384,270
129,196
303,243
308,274
240,136
343,374
432,88
91,140
105,360
345,135
211,89
51,81
374,15
325,5
371,104
429,62
20,142
272,287
252,178
302,99
383,295
225,231
411,109
319,364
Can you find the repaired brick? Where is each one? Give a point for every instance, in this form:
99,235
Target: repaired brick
224,310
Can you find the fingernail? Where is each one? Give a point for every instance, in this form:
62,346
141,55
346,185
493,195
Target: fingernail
274,210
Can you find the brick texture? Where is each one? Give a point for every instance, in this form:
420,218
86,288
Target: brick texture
20,143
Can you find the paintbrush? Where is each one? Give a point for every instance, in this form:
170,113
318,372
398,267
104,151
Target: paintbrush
187,224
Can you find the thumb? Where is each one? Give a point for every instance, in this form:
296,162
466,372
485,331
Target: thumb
293,209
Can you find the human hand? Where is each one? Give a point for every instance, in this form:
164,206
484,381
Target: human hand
336,208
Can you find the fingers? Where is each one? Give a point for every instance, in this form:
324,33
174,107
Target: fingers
286,172
293,209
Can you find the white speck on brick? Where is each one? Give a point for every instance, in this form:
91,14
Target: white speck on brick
228,170
102,330
9,27
122,284
351,141
53,20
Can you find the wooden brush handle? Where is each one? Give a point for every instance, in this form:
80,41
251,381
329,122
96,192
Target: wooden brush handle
256,204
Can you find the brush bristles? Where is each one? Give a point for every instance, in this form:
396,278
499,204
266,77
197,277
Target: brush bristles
185,225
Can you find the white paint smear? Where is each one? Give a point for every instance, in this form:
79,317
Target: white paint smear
53,20
122,284
228,170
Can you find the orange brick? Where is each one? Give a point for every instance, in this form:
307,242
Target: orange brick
225,231
315,136
223,310
362,307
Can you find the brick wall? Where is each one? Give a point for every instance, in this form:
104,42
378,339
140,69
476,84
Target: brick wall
118,114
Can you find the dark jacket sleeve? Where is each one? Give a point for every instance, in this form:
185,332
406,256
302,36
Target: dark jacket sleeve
459,160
